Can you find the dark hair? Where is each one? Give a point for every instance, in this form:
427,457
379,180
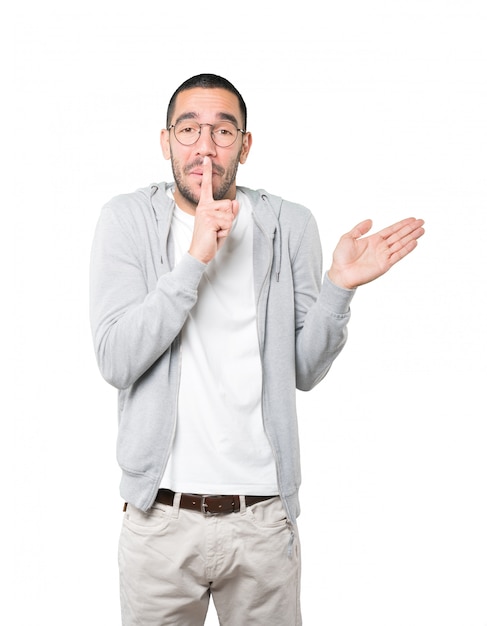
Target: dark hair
207,81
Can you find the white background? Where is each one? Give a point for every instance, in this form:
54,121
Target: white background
394,506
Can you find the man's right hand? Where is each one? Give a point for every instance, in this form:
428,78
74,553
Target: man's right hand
213,219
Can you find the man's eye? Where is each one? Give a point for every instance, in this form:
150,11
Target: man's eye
224,131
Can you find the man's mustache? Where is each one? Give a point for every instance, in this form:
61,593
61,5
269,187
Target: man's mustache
218,169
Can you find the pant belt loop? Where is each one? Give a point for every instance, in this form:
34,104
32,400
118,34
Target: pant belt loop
175,505
243,505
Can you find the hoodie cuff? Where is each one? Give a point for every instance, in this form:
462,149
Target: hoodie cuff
188,272
337,298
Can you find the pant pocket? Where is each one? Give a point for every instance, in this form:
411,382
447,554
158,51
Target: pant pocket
268,514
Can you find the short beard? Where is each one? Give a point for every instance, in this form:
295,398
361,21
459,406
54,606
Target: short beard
219,193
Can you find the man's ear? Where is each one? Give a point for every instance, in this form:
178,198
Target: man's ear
166,148
247,143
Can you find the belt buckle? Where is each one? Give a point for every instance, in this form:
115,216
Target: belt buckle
205,509
204,506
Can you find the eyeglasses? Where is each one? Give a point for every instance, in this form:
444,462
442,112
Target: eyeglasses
223,134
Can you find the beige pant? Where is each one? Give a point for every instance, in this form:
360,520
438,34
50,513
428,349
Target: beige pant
172,559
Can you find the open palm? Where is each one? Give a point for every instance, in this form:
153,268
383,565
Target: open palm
358,260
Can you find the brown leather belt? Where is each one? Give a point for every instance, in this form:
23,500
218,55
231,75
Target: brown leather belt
210,505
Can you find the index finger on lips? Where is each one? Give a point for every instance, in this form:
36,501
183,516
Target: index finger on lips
206,194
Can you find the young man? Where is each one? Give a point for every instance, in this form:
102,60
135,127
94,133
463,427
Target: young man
209,309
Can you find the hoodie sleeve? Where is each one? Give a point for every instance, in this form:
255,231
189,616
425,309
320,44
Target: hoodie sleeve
132,326
322,312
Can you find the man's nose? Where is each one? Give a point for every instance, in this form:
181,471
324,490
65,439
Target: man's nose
205,144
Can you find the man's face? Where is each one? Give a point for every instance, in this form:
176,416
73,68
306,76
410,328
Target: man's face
206,106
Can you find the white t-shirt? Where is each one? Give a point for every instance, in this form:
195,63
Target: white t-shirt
220,446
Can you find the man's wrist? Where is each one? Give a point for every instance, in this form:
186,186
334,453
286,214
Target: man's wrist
337,279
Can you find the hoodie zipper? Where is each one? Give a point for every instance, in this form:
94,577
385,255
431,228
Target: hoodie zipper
265,282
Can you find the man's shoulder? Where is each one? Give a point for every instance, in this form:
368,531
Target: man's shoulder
260,197
143,200
139,196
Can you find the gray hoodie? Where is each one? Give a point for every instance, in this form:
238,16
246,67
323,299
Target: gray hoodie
139,302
